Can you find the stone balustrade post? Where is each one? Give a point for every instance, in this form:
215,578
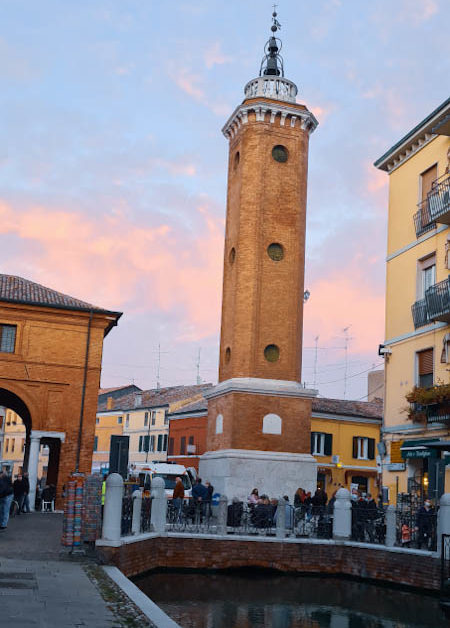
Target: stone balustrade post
137,508
443,520
391,525
222,513
159,506
112,512
342,517
281,518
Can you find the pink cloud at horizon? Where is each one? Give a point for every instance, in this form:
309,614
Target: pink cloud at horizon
113,262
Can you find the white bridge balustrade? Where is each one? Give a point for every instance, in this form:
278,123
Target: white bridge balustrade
277,88
219,526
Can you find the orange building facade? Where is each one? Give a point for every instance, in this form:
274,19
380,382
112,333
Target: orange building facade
259,415
50,362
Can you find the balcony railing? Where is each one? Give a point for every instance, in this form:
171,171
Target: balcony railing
420,313
437,299
438,412
422,218
439,200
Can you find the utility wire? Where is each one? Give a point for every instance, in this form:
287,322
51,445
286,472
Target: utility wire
334,381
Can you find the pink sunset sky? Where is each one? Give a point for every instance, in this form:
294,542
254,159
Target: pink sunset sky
113,165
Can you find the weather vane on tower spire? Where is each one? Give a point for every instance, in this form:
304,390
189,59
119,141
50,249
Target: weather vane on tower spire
272,63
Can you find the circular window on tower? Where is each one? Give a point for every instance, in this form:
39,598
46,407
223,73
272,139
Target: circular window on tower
232,255
227,354
280,153
272,353
275,251
236,160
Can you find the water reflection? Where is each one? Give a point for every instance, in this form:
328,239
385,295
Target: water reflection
249,600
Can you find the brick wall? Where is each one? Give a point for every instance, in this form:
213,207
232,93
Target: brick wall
181,552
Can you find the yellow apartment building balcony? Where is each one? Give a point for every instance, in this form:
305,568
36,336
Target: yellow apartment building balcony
437,299
434,307
439,200
435,208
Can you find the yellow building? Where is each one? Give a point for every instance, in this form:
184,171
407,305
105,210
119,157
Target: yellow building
344,439
417,334
142,415
12,445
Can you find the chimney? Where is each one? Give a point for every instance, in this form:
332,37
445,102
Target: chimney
109,403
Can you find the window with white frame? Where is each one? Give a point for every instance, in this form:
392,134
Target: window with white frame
363,448
153,415
7,338
145,419
127,421
166,418
426,274
321,444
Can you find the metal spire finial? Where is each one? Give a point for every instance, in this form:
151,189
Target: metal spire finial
272,63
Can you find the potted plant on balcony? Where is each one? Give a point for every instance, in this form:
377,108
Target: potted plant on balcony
422,399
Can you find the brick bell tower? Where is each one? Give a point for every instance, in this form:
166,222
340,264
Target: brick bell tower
259,414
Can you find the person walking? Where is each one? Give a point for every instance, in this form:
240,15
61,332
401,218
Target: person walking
6,497
424,525
177,499
19,492
26,498
199,496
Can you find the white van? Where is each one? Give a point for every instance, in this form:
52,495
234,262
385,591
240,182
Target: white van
145,472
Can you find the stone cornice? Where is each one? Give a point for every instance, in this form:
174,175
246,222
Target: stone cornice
259,386
267,111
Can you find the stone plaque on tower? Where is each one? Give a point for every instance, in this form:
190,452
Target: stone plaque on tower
259,414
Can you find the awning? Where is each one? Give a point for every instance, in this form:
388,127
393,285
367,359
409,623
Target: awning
420,448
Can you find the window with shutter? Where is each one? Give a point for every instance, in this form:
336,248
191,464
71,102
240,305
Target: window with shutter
171,446
160,442
427,179
183,445
328,444
371,448
146,443
425,361
140,443
165,442
318,443
355,447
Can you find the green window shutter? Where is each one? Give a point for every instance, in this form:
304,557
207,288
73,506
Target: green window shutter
312,441
140,443
355,446
328,444
146,443
371,448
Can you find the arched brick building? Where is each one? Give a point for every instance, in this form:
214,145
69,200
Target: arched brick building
50,363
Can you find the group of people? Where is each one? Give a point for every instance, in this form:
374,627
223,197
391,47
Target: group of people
366,519
197,508
18,491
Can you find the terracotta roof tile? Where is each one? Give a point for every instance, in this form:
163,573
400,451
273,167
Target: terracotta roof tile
153,398
15,289
367,409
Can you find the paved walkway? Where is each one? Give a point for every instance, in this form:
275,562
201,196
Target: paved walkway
38,587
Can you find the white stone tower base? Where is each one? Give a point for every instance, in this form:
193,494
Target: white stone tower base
236,472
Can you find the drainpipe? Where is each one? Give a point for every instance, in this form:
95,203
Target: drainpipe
83,392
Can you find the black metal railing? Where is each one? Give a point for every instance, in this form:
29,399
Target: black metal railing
420,313
416,527
439,200
313,522
438,412
445,567
252,520
422,218
190,516
146,514
127,515
437,299
368,523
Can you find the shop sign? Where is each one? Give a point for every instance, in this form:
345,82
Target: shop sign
396,454
396,466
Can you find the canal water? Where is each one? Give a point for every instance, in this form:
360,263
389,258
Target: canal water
261,600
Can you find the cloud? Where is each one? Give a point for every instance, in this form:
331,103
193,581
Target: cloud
194,86
116,262
214,56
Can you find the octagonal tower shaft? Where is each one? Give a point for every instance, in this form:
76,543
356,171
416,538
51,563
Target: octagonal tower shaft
263,280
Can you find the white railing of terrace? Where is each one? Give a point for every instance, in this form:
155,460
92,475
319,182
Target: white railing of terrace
156,520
